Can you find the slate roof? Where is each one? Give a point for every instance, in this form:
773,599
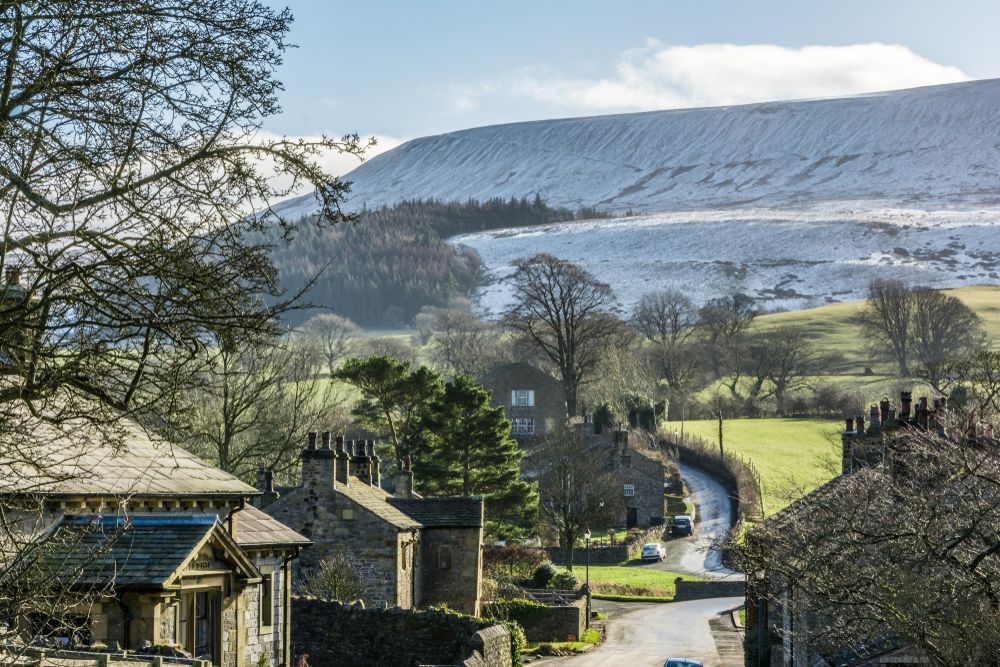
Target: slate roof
376,501
144,552
74,459
442,512
255,528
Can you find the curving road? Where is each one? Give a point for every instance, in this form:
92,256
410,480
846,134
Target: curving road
641,634
698,555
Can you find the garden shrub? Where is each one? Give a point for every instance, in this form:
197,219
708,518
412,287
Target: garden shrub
543,575
565,581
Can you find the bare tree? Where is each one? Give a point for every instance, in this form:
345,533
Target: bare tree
943,329
130,168
576,487
910,549
462,344
721,321
337,578
566,313
666,317
887,319
790,359
255,406
332,335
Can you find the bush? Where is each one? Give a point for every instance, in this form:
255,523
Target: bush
565,581
543,575
514,561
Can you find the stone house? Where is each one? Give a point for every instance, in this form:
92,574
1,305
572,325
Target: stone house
640,472
155,546
771,640
411,552
533,400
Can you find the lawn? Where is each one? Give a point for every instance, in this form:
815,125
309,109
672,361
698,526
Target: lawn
630,582
792,456
590,636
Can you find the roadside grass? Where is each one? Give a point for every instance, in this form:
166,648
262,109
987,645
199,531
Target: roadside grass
792,456
628,582
590,636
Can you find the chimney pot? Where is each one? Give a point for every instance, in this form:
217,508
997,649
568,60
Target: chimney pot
860,421
905,401
326,440
340,445
312,440
873,417
849,425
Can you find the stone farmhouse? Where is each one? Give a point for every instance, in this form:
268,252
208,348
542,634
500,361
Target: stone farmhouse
159,548
862,446
533,400
411,552
640,472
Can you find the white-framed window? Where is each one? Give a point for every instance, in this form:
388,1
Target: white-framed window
629,490
522,398
522,426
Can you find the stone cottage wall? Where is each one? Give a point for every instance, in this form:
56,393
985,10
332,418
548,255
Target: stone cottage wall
450,568
549,411
335,635
331,521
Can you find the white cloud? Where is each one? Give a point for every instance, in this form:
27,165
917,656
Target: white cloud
657,76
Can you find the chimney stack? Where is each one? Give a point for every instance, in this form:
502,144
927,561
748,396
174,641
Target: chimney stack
343,462
318,465
404,480
874,418
905,401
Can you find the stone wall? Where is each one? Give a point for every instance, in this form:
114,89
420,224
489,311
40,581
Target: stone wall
332,520
333,635
560,623
450,568
701,590
549,410
598,555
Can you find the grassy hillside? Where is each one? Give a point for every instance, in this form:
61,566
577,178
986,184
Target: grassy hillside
792,456
837,329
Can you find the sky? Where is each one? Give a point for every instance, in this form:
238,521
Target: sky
398,69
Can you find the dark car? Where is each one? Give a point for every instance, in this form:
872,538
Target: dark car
681,525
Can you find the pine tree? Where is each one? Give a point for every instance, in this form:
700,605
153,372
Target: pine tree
468,451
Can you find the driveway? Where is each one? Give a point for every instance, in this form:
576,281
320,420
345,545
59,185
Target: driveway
644,634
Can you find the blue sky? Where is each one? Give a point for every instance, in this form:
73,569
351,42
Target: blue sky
401,70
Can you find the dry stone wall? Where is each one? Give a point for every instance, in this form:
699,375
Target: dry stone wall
333,635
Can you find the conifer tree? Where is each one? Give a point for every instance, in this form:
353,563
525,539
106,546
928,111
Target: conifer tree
467,450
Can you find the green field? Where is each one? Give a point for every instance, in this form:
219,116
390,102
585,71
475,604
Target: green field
630,581
837,329
792,456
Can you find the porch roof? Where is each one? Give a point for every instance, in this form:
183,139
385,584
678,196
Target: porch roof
118,552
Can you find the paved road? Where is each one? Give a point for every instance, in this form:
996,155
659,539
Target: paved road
644,635
696,555
647,634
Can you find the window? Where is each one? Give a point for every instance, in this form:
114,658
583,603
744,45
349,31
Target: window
267,600
522,426
522,398
629,490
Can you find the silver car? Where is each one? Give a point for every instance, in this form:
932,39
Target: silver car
683,662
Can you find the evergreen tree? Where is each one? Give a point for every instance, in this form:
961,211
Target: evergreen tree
467,450
393,398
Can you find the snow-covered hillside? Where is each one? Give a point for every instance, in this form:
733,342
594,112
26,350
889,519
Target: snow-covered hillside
919,147
786,258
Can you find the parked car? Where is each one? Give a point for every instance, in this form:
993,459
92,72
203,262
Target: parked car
653,551
683,662
682,525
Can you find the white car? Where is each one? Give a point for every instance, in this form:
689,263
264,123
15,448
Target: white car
683,662
653,551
